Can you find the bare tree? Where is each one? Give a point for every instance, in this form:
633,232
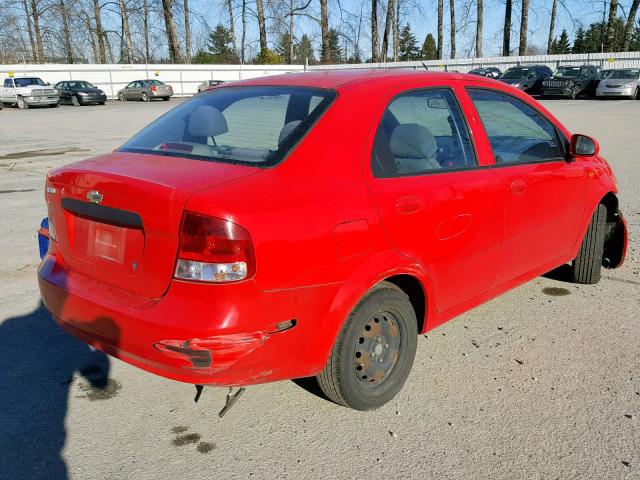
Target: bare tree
100,33
145,23
613,12
187,32
27,14
374,30
172,36
388,26
524,25
479,27
261,26
232,28
396,32
36,13
631,20
126,33
325,56
552,25
440,34
452,12
506,30
244,30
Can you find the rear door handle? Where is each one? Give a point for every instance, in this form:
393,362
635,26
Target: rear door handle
518,186
408,205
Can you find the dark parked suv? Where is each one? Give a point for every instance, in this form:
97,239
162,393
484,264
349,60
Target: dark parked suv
572,81
527,78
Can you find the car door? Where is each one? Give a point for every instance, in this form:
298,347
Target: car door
543,192
440,206
130,90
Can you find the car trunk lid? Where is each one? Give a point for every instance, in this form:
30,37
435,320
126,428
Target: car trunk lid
117,217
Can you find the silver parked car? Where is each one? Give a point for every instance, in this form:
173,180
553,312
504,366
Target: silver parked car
145,90
623,82
208,84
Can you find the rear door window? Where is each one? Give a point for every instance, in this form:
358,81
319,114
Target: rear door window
421,132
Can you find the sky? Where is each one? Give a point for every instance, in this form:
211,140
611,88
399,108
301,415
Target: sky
421,15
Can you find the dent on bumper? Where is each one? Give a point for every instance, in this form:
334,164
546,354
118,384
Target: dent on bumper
235,338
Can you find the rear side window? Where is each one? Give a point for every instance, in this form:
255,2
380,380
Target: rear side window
421,132
251,125
517,133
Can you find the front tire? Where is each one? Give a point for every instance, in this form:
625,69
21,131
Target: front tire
121,97
75,101
22,104
587,266
374,351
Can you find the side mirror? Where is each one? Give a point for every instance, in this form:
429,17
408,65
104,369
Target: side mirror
583,146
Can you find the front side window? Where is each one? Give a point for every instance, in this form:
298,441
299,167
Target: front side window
247,125
421,132
517,133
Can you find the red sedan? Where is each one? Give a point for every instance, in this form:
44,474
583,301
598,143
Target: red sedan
313,224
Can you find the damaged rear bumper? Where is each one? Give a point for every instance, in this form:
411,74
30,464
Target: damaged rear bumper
240,336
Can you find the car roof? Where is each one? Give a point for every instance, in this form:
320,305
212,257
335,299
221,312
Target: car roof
338,78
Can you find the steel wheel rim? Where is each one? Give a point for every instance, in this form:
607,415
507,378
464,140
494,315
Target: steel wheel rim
376,350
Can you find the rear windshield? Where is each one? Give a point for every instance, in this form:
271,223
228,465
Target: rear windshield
247,125
154,82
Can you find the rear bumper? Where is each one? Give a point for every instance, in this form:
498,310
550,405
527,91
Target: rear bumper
224,335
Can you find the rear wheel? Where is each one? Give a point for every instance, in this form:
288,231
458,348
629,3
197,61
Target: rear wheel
166,99
374,351
144,97
587,266
22,104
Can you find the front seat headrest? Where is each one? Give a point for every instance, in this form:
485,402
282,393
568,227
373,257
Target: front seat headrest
287,130
411,140
207,121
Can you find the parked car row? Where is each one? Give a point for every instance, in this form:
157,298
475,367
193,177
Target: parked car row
568,80
25,92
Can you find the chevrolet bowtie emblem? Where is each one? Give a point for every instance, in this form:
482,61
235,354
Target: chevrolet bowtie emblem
94,196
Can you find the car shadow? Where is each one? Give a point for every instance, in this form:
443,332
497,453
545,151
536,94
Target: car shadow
560,274
38,362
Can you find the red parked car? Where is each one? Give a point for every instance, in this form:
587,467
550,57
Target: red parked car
313,224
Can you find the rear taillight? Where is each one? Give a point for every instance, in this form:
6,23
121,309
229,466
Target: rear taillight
213,250
154,88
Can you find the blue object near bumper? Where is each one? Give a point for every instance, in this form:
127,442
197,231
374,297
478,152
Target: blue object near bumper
43,240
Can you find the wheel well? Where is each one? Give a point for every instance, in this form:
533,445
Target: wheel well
610,201
413,288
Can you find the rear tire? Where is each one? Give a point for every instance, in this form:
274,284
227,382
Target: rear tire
587,266
166,99
374,351
144,97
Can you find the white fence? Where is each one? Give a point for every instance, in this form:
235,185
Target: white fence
184,79
463,65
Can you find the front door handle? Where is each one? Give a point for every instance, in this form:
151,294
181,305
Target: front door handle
518,186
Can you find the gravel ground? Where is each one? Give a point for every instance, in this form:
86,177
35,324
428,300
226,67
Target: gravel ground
543,382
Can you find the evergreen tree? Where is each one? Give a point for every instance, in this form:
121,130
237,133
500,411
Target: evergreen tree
634,43
268,57
303,51
562,46
282,48
220,46
429,50
554,47
408,45
335,50
578,42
